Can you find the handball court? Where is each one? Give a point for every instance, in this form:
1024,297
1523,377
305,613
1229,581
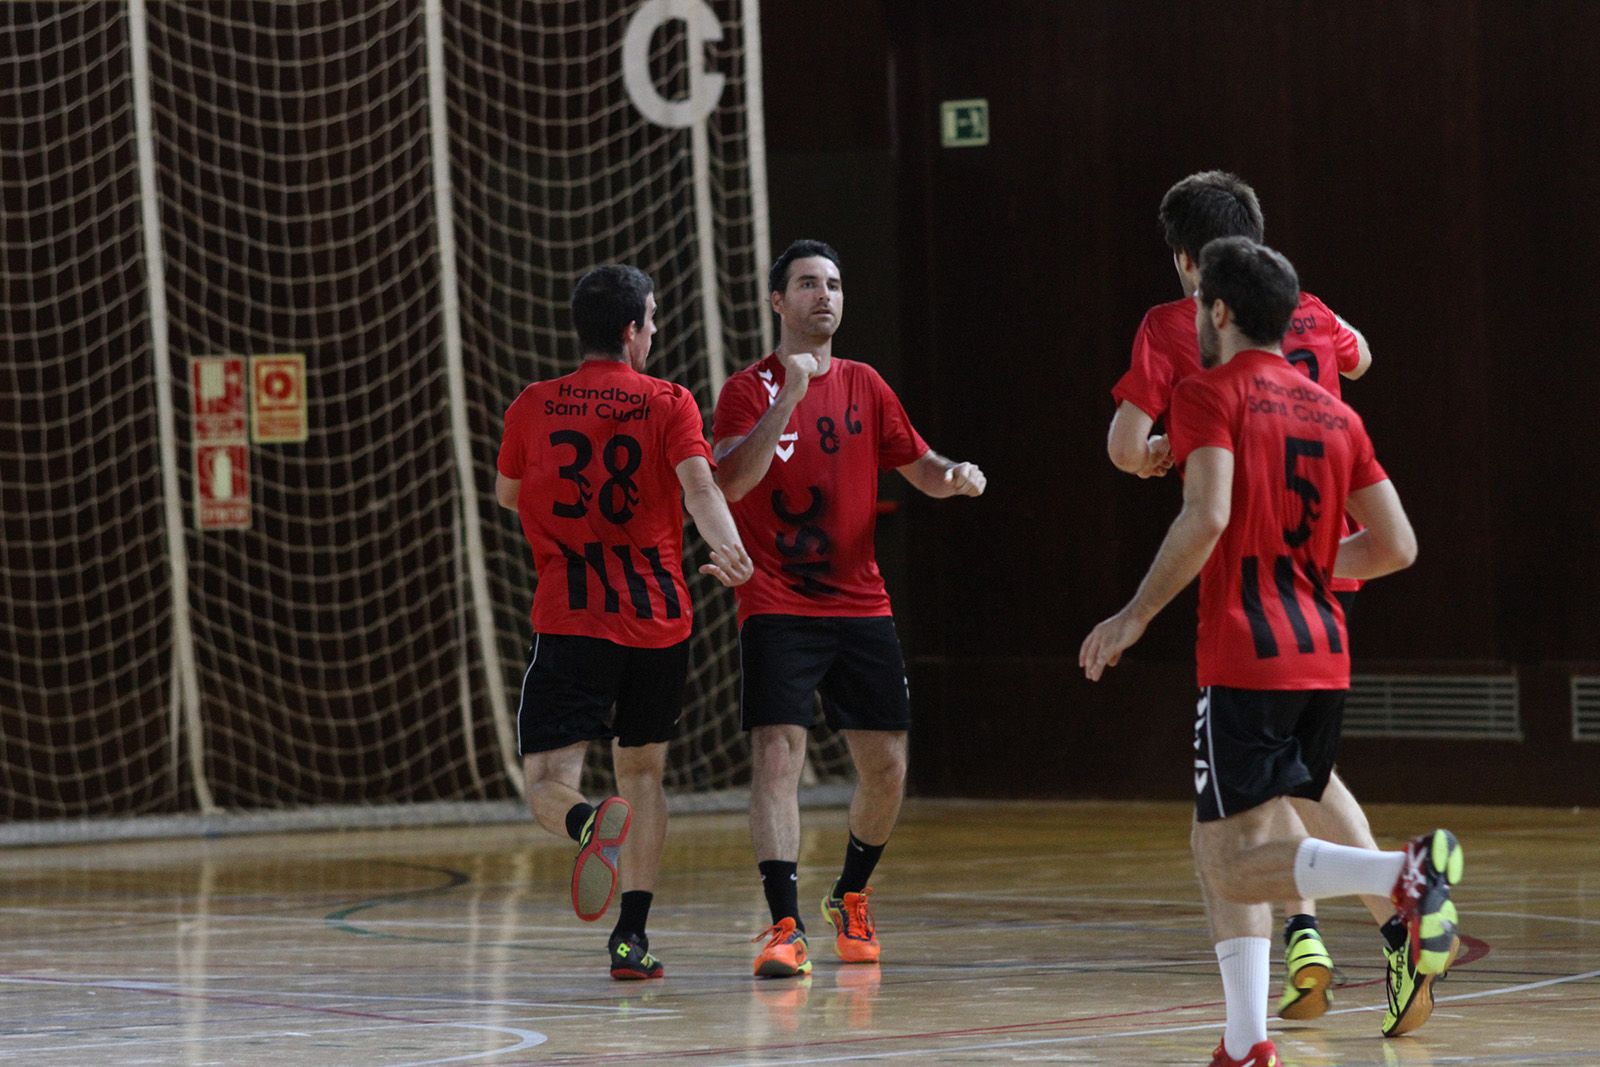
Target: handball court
1012,932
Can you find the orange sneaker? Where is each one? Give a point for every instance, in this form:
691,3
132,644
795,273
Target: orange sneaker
857,939
785,955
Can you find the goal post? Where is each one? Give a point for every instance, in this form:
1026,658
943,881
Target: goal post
399,194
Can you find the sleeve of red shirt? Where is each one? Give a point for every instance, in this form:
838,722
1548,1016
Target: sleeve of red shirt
1346,350
1147,383
899,442
1200,419
1366,470
513,454
685,437
740,406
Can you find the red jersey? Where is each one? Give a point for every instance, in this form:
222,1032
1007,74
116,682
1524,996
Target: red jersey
601,505
1166,350
1267,620
809,523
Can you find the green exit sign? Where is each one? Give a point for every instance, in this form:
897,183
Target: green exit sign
964,123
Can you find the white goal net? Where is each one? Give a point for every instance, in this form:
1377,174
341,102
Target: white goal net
216,616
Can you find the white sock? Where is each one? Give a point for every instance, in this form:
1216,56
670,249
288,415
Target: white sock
1244,962
1323,869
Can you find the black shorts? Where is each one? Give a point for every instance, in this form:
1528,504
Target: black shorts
1251,745
856,664
572,683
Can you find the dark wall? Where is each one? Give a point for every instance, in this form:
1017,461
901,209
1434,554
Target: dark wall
1426,166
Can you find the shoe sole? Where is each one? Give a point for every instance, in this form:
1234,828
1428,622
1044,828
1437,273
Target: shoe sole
1312,982
635,976
1437,938
594,875
779,969
829,912
1420,1008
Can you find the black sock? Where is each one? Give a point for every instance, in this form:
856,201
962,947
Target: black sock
577,815
1295,923
859,860
781,882
1394,932
635,913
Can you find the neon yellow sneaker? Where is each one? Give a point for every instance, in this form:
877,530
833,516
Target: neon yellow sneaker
1410,991
1309,971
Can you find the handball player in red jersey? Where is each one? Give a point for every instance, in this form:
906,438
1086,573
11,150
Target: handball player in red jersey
1195,211
1271,462
595,463
800,437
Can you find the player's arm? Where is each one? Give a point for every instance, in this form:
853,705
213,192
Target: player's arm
937,476
1207,502
505,491
743,461
1131,446
1364,359
730,563
1387,544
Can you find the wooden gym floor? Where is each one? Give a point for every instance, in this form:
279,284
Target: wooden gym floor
1038,933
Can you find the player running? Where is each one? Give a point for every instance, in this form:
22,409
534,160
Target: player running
594,464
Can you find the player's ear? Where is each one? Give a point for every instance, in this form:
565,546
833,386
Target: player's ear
1221,314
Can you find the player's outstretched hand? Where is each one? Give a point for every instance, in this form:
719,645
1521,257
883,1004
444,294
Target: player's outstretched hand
730,565
1105,644
1158,457
965,479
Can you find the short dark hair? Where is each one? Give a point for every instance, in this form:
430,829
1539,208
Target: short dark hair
1258,284
1209,205
778,276
605,300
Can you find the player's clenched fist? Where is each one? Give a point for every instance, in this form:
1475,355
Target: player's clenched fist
965,479
798,367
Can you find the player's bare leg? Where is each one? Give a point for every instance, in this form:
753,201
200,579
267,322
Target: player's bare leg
640,771
639,774
778,755
552,784
1242,932
552,780
880,758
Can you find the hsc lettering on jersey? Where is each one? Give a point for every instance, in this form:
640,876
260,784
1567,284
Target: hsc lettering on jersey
592,561
806,548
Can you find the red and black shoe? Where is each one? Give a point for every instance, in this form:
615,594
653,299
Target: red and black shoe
631,960
594,875
1421,896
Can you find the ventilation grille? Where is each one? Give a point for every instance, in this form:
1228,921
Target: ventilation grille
1586,708
1438,705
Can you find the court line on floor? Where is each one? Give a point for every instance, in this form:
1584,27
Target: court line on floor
526,1039
935,1051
